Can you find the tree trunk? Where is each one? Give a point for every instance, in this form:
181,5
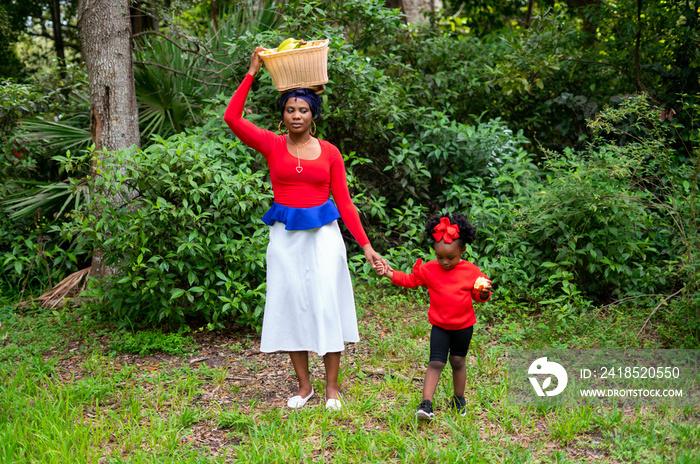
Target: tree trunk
415,9
140,20
58,34
395,4
528,14
105,34
215,16
637,42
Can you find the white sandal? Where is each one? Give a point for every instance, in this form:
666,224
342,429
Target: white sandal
296,402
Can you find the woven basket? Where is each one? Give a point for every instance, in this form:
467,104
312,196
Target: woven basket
298,68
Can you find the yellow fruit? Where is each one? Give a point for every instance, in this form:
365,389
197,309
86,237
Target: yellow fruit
288,44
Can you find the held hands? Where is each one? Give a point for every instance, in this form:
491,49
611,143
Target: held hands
385,270
378,263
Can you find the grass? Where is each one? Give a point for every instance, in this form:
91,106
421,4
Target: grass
75,392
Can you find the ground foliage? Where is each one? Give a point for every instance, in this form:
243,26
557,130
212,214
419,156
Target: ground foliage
72,390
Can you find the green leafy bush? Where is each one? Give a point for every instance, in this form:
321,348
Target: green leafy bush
191,243
616,220
593,227
668,172
585,227
18,159
33,257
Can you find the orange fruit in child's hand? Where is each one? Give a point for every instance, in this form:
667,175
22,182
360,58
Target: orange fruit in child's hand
481,283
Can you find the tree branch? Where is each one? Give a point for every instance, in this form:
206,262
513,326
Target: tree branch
187,50
44,33
158,65
602,63
656,309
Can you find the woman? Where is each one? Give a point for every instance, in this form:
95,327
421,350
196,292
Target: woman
309,304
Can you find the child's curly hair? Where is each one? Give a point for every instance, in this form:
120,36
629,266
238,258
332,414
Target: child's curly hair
467,232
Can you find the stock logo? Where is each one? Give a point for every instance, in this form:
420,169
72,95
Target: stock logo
543,367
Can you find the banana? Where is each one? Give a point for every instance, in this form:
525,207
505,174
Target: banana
288,44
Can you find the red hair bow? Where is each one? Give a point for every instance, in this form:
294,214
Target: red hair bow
446,231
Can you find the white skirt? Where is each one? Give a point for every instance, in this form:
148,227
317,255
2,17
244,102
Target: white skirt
310,304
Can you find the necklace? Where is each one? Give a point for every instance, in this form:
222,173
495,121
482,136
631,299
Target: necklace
299,168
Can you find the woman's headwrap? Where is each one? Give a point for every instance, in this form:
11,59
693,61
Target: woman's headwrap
308,95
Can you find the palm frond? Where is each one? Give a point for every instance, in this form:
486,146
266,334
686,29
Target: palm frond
168,101
57,135
71,285
52,199
175,76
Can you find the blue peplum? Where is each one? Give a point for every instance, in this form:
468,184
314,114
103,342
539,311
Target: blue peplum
302,218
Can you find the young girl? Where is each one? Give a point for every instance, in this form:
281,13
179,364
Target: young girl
453,285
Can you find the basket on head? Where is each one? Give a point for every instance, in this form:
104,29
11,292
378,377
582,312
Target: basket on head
299,67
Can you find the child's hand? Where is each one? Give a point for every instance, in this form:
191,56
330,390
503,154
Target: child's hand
482,285
384,269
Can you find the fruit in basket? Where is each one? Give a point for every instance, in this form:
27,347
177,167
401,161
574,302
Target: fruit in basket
481,283
287,44
291,44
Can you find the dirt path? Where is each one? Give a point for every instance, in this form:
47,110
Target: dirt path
238,376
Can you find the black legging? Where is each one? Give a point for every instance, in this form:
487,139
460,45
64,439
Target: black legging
455,341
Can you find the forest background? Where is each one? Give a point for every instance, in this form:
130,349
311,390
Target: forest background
574,153
568,134
567,131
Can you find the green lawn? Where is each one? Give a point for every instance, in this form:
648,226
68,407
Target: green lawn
72,390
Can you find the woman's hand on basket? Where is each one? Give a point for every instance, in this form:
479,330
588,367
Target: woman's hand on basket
255,61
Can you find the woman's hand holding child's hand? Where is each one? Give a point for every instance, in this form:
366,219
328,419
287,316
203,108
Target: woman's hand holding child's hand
374,259
385,270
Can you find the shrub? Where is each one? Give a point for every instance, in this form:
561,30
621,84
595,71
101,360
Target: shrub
17,101
191,243
669,171
621,218
593,227
613,221
32,256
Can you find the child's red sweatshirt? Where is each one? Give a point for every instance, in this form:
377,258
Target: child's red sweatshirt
451,292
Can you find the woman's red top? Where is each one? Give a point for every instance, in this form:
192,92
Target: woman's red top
318,178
